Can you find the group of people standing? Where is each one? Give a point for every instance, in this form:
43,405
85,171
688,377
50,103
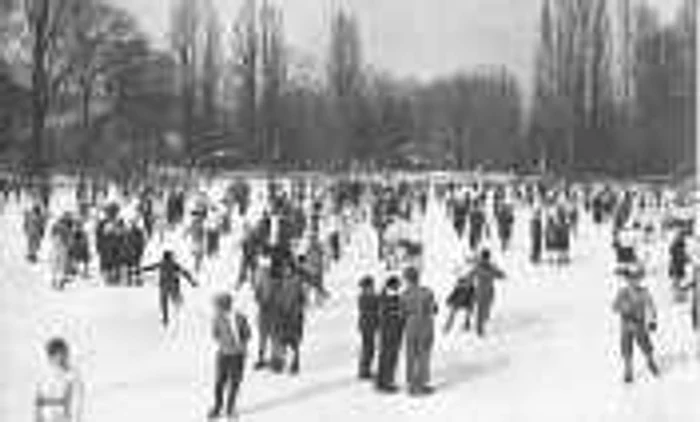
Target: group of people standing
402,313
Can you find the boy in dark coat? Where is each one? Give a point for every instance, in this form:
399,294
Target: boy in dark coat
169,283
391,324
483,277
368,324
232,333
461,297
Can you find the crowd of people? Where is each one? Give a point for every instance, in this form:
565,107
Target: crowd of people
304,229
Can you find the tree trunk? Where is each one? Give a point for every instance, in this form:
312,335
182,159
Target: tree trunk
84,155
36,158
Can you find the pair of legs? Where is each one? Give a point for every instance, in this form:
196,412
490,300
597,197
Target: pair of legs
641,337
264,337
390,344
229,374
453,314
168,299
418,351
483,312
367,353
279,355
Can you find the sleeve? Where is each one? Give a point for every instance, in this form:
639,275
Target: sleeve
433,303
618,302
216,330
187,275
498,273
651,307
149,268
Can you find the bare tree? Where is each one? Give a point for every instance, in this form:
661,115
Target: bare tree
47,21
94,51
346,81
246,57
274,72
186,24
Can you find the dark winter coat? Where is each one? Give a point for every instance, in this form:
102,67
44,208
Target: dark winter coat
368,312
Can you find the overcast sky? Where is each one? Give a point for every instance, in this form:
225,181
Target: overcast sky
414,38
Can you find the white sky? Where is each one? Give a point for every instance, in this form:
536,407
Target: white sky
414,38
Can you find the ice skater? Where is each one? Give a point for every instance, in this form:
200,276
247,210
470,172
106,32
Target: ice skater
419,308
461,297
391,327
34,228
635,306
169,283
483,277
368,325
232,333
59,394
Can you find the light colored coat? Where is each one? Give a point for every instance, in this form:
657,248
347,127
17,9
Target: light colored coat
419,308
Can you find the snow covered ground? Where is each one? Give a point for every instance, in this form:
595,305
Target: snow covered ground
551,353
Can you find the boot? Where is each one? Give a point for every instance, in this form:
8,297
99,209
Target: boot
277,365
628,375
653,367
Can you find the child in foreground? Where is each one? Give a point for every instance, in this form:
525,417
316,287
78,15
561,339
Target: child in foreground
231,333
59,394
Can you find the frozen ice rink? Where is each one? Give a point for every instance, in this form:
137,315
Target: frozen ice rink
551,353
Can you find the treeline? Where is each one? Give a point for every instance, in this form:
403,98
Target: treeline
615,97
231,91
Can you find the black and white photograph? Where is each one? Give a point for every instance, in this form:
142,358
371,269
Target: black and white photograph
349,210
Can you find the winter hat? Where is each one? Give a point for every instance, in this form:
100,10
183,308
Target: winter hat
392,283
366,282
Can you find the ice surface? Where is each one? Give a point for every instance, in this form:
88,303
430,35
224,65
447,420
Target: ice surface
551,353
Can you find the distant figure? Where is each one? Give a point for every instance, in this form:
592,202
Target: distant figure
59,393
536,237
635,306
419,309
368,324
678,259
34,228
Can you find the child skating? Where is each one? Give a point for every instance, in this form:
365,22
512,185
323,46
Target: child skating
169,283
635,306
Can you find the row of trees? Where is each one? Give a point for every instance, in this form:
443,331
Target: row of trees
234,90
84,62
612,101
